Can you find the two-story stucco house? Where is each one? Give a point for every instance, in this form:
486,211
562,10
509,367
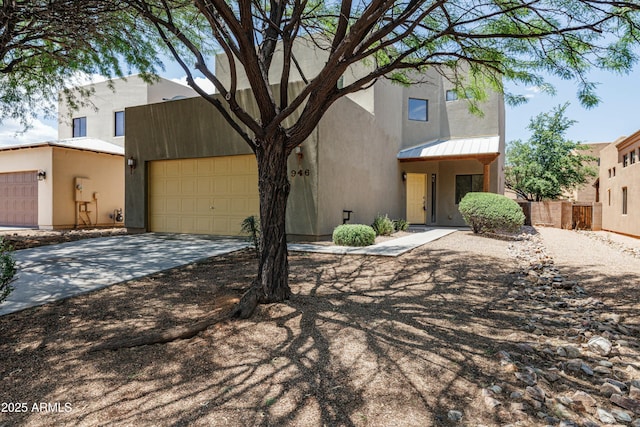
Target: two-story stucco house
409,152
78,180
619,185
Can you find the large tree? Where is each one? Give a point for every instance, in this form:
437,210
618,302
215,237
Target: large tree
47,45
547,165
495,40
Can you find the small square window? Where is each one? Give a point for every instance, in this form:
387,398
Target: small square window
79,127
466,184
418,109
451,95
118,117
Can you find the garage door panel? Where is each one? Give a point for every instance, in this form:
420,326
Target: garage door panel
19,194
182,202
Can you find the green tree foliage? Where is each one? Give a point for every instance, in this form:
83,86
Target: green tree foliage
48,45
7,269
548,164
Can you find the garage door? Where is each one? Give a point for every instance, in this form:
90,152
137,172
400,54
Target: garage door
19,199
203,196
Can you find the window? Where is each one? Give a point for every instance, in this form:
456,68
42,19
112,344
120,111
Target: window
625,160
609,173
614,171
118,117
632,157
466,184
609,196
451,95
418,109
624,200
79,127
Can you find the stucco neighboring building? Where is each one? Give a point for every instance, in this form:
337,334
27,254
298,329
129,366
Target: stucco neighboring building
102,115
589,192
61,184
409,152
619,183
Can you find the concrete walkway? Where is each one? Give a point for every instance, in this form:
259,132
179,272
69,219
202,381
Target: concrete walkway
393,248
55,272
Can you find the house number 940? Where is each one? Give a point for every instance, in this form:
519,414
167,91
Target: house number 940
299,172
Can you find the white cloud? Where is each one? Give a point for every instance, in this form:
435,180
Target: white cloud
532,91
10,132
203,82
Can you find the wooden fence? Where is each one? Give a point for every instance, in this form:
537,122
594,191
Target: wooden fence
563,214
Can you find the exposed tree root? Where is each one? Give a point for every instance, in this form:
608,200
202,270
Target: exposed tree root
247,305
174,334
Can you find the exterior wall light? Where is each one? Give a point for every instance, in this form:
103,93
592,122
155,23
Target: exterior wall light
131,162
404,176
42,175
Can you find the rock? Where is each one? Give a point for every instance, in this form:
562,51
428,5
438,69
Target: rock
602,370
574,365
605,363
635,423
496,389
635,383
528,376
586,369
608,389
536,393
516,395
626,403
600,345
503,356
622,416
454,415
551,375
622,386
562,411
583,402
572,352
568,423
634,392
517,406
605,417
491,402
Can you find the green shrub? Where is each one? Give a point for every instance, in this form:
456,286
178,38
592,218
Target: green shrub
382,225
251,226
354,235
400,225
7,269
488,212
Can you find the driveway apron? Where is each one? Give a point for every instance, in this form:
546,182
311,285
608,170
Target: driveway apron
55,272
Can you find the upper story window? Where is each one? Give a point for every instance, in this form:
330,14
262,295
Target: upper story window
118,117
632,157
625,160
79,127
451,95
418,109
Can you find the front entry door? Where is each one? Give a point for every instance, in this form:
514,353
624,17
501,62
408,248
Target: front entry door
416,193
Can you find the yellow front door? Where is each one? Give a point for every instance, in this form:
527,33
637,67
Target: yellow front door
416,193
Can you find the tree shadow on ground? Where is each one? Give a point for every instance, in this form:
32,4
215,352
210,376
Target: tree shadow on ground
364,341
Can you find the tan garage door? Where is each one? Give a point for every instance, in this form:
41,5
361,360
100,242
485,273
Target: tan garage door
19,199
203,196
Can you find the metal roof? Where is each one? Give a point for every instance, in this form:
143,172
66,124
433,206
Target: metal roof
84,143
456,147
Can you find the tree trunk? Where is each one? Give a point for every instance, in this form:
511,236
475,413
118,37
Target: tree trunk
272,283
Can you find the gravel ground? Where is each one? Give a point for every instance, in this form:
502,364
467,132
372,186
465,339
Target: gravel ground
464,331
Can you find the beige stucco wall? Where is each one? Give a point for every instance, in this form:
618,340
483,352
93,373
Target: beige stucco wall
357,168
193,128
33,159
106,175
611,187
107,98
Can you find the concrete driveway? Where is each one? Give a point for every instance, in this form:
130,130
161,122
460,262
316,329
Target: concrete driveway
50,273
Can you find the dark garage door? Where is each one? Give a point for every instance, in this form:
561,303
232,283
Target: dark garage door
19,199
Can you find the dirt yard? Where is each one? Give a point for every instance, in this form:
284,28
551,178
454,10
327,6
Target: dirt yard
457,332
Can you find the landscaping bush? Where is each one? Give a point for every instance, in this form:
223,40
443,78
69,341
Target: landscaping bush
488,212
7,269
251,226
400,225
354,235
382,225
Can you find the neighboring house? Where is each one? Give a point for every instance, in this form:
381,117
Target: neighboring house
39,183
61,184
102,115
409,152
589,193
619,184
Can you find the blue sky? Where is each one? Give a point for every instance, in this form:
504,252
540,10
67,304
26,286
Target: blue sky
615,116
